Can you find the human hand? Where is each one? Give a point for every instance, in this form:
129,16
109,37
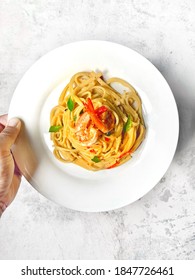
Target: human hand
10,176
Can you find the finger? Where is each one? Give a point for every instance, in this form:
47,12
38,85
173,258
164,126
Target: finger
8,197
8,135
7,138
6,174
13,189
3,119
1,127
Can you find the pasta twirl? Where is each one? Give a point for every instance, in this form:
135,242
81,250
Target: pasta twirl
95,126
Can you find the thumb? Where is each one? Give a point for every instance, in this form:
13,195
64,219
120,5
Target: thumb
9,134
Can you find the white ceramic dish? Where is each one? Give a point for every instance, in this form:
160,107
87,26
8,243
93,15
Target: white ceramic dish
68,184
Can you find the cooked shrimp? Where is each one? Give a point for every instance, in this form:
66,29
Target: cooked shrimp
103,118
108,119
85,131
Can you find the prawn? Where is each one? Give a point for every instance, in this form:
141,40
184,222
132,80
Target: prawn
102,117
84,130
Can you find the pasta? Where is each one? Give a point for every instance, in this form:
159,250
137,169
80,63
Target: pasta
95,126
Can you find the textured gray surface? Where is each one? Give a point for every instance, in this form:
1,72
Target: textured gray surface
161,225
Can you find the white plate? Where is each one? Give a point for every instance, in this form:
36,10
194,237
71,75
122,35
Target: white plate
68,184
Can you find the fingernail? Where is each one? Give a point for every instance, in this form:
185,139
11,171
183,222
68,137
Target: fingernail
13,122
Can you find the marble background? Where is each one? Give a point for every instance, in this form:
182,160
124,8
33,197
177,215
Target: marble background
161,225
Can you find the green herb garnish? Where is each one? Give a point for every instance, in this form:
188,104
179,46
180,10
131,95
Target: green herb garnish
55,128
96,159
70,104
75,118
128,124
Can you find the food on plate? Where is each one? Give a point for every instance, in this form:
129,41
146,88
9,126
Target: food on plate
94,125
